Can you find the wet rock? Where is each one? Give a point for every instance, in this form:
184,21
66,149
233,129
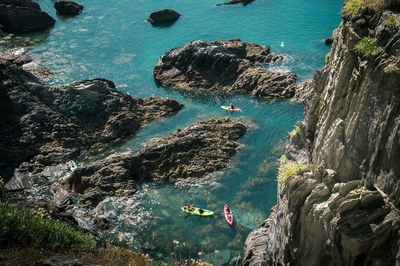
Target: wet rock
68,8
328,41
235,2
23,16
192,152
43,125
223,67
163,16
101,223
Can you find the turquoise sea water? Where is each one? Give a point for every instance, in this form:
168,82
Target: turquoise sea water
111,39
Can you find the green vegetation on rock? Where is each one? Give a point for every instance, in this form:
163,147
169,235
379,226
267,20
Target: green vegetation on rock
368,47
327,58
288,169
20,227
295,132
390,21
352,7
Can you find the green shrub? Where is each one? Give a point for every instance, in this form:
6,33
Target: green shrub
390,21
368,47
287,170
352,7
295,132
20,227
327,58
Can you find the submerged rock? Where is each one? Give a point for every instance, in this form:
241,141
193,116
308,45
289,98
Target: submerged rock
192,152
23,16
43,125
223,67
235,2
68,8
163,16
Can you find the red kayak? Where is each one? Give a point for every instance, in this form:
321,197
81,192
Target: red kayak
228,214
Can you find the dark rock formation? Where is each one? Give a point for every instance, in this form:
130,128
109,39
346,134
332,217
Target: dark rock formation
235,2
163,16
223,67
345,209
101,223
192,152
328,41
68,8
23,16
42,125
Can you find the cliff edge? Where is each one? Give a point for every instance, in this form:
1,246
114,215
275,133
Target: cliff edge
339,183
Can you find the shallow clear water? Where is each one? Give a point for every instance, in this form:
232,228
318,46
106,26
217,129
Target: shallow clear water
111,39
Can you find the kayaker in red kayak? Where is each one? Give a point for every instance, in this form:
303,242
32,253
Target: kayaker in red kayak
228,214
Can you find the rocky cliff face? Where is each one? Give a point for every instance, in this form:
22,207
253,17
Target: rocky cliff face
343,210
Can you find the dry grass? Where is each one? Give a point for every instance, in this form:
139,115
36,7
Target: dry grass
111,256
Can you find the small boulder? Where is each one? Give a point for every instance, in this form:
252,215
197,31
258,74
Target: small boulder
163,16
68,8
23,17
101,223
328,41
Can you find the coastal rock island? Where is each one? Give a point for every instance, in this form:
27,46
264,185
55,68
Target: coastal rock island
343,207
223,67
23,16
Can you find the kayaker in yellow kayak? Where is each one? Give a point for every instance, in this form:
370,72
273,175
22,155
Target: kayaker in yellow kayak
189,207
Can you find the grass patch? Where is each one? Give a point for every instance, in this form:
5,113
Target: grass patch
368,47
352,7
20,227
287,170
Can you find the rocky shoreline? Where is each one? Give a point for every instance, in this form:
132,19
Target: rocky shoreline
45,125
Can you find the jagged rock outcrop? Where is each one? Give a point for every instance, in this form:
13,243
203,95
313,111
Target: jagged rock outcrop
345,209
163,16
192,152
23,16
223,67
68,8
43,125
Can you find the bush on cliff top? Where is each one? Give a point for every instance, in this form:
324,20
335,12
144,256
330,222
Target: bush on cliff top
368,47
20,227
351,7
287,170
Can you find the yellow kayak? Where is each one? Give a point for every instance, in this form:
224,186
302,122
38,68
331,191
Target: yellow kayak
198,211
229,108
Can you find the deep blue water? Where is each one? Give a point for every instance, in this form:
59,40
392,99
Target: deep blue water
111,39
